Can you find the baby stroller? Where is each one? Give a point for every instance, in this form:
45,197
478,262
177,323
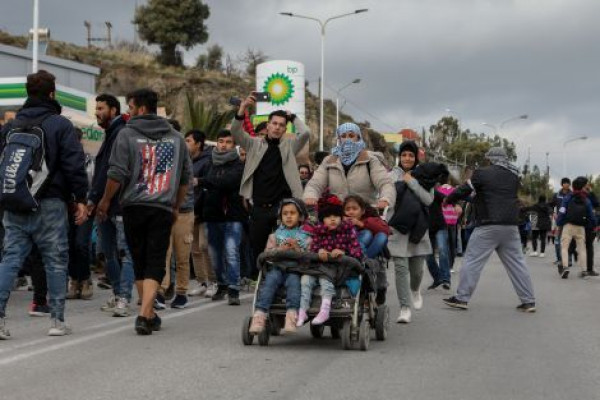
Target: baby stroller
352,317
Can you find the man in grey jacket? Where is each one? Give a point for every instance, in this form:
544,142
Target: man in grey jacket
150,162
270,172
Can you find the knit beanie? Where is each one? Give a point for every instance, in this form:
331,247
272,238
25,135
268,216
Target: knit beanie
329,205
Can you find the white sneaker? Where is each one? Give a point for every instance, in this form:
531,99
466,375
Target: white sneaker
542,255
533,254
4,333
121,308
59,328
212,289
110,304
417,300
404,316
199,290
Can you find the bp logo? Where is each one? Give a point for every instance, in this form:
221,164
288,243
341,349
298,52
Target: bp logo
281,88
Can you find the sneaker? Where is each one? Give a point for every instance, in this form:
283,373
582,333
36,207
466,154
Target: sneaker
302,317
417,300
159,302
4,333
104,283
234,297
220,293
73,290
533,254
592,273
39,310
199,290
258,323
180,301
156,323
583,274
291,318
170,292
560,268
446,285
212,289
434,285
456,303
121,308
87,290
404,316
110,304
527,307
143,326
565,273
59,328
542,255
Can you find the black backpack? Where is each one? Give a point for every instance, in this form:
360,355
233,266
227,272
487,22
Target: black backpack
24,174
576,212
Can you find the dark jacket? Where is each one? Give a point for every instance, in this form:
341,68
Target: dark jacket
64,154
542,218
200,166
410,215
222,202
563,218
436,216
101,165
495,201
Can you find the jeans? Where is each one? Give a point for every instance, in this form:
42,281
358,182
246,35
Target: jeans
541,235
79,250
308,283
440,272
224,239
272,281
372,245
119,264
48,228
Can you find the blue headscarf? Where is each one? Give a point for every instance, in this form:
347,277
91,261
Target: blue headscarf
347,150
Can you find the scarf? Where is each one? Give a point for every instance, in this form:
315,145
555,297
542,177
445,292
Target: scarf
283,233
498,156
220,158
347,150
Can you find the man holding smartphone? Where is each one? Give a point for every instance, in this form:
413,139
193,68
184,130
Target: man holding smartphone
270,172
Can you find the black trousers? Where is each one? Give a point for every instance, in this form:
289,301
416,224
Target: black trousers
541,235
590,235
34,266
263,221
148,233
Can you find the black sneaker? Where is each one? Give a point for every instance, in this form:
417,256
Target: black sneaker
159,302
104,283
560,268
180,301
592,273
220,293
527,307
434,285
565,273
583,274
234,297
446,285
456,303
170,292
143,326
155,323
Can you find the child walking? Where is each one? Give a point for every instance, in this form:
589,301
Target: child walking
332,238
372,230
288,236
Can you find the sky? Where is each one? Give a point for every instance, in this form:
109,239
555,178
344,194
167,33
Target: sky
485,60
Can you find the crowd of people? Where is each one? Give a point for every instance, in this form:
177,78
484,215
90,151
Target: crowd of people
166,209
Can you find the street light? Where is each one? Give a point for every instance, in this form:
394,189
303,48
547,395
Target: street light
503,123
322,24
564,152
337,100
36,36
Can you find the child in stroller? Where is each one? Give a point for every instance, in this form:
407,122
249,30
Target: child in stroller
288,236
373,231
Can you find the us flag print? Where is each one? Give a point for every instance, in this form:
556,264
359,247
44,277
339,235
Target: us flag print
157,166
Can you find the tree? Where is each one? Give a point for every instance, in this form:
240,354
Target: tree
251,58
214,58
169,23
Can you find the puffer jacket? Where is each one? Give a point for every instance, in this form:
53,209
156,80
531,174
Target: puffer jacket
367,178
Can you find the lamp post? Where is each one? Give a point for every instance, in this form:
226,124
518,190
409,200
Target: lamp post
503,123
322,24
564,152
36,26
337,100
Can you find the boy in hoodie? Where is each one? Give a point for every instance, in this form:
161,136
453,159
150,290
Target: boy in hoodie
150,164
575,213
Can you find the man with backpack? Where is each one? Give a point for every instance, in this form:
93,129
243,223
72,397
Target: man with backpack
42,167
575,213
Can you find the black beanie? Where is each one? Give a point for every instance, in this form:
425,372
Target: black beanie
329,205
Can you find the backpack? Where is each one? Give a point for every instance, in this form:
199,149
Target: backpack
24,174
576,212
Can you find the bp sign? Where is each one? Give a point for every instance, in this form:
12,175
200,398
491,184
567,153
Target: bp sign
284,80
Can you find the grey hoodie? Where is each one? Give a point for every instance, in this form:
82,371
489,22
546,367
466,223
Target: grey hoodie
150,160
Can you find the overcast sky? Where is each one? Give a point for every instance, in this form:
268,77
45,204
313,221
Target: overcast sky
487,60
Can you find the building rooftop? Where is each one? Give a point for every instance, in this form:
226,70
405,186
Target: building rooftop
59,62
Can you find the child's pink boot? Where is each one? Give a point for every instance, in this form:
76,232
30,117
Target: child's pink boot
302,317
323,314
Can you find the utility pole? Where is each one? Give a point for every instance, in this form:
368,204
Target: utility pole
90,39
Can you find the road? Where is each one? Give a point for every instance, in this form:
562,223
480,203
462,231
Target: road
488,352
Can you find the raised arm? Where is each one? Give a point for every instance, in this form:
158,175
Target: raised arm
303,134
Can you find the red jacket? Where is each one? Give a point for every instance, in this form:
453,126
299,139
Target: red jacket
376,225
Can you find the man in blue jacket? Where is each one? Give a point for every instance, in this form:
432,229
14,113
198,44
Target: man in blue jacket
46,226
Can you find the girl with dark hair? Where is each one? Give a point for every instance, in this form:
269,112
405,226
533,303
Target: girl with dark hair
372,230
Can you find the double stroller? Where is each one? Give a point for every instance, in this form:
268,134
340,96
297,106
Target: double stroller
352,317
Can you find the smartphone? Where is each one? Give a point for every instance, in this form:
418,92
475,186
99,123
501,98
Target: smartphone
262,96
235,101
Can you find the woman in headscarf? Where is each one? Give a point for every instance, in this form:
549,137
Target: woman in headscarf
409,257
351,169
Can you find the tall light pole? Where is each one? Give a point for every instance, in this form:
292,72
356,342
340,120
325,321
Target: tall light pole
322,24
36,37
337,100
564,152
503,123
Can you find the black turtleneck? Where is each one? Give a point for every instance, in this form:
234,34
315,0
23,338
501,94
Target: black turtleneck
269,184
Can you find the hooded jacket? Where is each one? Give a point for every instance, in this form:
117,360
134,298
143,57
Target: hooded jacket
222,202
150,160
64,154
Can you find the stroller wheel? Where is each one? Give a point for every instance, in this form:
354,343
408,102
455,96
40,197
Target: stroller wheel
265,335
335,332
382,322
317,331
364,335
346,335
247,338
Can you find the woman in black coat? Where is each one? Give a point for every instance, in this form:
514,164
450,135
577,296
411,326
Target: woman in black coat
541,223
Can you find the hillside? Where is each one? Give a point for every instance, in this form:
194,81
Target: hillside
127,66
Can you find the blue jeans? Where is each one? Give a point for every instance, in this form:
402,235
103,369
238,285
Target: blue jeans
48,228
371,245
119,264
224,239
272,281
308,283
440,272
